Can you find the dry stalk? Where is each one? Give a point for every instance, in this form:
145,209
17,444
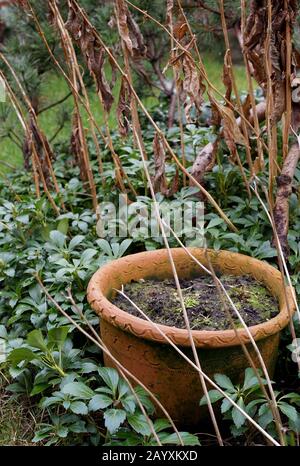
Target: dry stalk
288,94
120,173
244,122
175,77
128,373
98,342
73,66
35,160
189,361
242,119
260,152
199,65
281,260
119,170
102,348
273,403
34,129
121,5
61,70
179,291
271,126
237,96
159,131
93,129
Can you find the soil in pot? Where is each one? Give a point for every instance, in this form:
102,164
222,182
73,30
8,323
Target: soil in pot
204,303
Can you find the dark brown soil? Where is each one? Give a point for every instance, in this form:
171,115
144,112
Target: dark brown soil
204,304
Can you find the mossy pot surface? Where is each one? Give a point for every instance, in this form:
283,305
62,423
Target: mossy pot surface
143,350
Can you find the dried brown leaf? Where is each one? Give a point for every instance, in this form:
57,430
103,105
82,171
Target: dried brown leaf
123,108
122,12
216,116
204,161
188,82
255,41
129,30
226,77
232,132
159,180
192,84
92,50
138,45
180,29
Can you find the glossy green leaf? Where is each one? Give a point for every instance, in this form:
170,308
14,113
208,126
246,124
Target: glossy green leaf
78,389
100,402
113,418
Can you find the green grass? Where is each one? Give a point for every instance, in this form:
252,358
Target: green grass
214,69
17,419
55,88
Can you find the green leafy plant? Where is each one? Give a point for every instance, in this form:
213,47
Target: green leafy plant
58,367
249,397
65,250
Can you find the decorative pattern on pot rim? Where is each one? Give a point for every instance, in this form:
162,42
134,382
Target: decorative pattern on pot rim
155,264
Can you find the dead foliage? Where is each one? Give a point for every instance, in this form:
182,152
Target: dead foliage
255,42
130,31
123,108
93,52
189,83
159,180
227,80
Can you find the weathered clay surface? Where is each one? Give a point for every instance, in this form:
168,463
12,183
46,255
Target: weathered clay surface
143,350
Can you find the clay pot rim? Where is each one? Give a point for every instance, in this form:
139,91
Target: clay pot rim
202,338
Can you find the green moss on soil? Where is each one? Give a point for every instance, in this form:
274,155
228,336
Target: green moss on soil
207,308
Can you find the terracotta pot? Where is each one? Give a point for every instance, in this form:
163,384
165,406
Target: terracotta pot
143,351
